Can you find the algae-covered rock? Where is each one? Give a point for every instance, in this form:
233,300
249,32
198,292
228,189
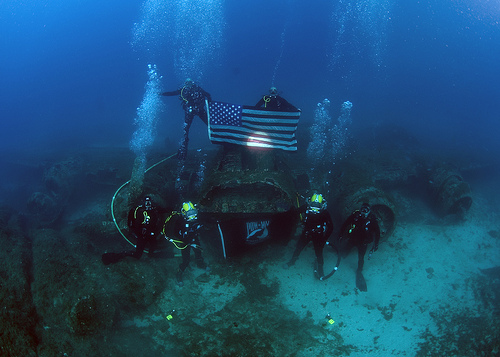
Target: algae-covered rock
89,315
69,299
136,284
17,314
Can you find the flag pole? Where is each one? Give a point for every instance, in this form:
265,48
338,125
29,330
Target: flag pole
208,119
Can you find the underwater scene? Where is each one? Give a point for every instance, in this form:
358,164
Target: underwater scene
236,178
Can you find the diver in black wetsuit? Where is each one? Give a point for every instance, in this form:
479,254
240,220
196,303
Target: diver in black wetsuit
275,102
143,222
318,226
187,229
193,102
360,229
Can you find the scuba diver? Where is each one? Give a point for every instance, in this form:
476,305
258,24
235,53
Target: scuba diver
193,98
317,227
187,229
360,229
273,101
143,222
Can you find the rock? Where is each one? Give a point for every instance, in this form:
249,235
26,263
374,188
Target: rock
89,315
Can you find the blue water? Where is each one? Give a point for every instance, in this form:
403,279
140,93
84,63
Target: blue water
73,73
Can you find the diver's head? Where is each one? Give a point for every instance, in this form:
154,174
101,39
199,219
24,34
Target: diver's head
189,211
188,82
365,210
148,204
316,203
273,91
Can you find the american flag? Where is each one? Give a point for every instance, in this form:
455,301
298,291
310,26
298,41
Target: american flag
252,126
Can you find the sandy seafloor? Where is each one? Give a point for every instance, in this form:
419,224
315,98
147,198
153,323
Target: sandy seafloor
423,268
427,295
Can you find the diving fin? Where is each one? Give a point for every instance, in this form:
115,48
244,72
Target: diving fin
111,258
360,281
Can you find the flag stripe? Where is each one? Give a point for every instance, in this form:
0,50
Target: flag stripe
267,122
250,126
242,140
252,132
269,129
256,137
252,111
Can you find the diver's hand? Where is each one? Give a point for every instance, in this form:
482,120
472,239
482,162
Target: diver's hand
195,227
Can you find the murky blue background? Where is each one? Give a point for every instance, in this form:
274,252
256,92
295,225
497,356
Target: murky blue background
73,72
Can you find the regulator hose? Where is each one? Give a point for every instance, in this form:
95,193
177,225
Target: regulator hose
120,188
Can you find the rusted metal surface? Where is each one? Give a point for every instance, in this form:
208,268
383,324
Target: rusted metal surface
237,184
449,192
355,184
381,204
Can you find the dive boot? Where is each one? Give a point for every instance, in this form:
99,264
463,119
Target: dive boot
360,281
318,271
178,277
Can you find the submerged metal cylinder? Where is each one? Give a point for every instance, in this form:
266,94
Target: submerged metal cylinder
450,194
352,186
381,204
